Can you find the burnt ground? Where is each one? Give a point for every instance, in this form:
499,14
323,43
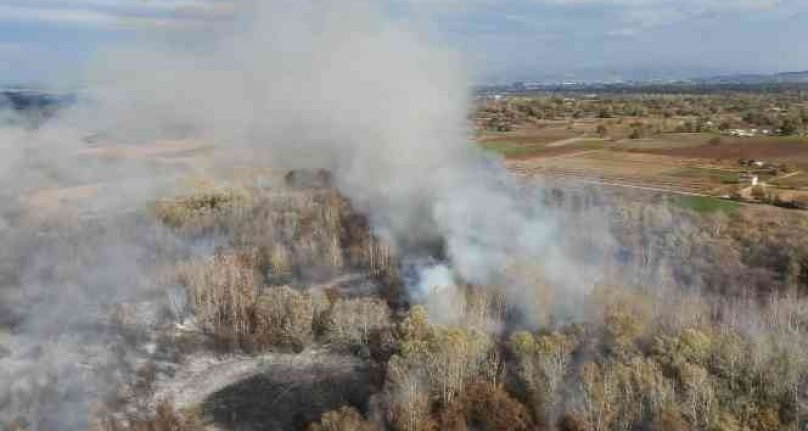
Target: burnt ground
270,392
290,394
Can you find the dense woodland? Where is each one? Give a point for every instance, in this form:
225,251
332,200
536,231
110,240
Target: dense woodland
782,113
708,330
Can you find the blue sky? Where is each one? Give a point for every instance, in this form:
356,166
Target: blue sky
48,42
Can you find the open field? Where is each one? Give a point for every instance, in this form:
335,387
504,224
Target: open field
667,142
647,170
547,139
793,150
697,163
706,204
797,181
515,150
691,163
663,170
752,147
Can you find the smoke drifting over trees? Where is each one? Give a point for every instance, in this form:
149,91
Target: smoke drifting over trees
345,88
110,269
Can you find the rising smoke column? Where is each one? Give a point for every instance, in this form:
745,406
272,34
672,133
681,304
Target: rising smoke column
347,87
302,84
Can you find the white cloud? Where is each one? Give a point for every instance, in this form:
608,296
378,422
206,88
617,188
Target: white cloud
111,13
27,14
712,4
623,18
631,17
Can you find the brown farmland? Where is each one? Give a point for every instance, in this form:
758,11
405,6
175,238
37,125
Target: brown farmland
786,150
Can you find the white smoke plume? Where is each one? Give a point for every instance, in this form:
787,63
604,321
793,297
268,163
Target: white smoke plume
298,84
344,86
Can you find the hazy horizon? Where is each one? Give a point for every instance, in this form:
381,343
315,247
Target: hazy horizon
49,43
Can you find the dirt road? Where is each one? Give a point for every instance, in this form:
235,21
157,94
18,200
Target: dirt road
611,183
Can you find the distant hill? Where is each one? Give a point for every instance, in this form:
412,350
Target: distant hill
27,100
764,83
32,107
776,78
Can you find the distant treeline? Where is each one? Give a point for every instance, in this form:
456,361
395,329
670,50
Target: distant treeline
33,106
776,113
645,88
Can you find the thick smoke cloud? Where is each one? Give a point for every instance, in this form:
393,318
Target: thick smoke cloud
303,84
75,251
347,88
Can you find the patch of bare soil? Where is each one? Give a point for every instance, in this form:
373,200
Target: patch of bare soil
156,149
791,150
57,201
568,141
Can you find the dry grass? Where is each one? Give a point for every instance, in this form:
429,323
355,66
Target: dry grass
202,210
665,142
148,150
643,170
344,419
167,418
164,417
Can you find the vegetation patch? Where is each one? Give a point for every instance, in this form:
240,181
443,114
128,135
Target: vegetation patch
513,149
798,181
712,174
703,204
518,150
201,208
667,141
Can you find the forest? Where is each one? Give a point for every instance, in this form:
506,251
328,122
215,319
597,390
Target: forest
716,342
